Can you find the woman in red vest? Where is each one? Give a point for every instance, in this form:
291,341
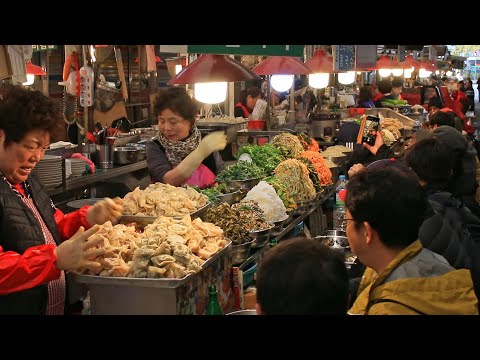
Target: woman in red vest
248,99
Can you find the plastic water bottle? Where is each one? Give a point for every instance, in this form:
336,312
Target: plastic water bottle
339,210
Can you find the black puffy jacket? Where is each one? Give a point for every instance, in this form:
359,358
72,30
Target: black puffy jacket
19,230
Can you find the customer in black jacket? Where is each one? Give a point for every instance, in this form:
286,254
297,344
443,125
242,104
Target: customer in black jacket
445,229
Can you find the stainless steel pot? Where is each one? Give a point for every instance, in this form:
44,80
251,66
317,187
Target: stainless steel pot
126,155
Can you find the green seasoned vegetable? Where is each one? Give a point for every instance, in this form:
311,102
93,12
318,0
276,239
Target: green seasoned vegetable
312,174
242,170
282,192
212,193
267,156
229,220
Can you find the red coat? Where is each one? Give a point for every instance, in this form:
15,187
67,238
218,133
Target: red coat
456,105
37,264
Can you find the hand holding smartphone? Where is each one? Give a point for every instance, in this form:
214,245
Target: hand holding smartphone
368,129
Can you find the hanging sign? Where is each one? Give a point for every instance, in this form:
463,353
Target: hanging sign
343,57
366,57
37,48
269,50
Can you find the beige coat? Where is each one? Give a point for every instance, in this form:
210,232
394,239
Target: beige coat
444,291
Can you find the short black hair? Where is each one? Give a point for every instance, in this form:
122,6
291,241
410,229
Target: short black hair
178,101
302,276
440,118
385,86
432,161
397,82
253,91
390,201
435,101
23,110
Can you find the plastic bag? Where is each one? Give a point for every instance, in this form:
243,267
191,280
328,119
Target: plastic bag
201,177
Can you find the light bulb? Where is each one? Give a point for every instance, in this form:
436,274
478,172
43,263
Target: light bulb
178,68
211,93
407,73
397,72
384,72
346,78
30,79
449,73
281,83
318,80
424,73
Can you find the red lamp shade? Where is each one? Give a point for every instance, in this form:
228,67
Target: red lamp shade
410,61
34,69
320,62
383,63
428,65
281,65
400,65
214,68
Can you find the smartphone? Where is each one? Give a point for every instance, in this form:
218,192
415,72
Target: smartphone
370,129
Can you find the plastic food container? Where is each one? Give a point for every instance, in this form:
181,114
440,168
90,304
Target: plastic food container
256,124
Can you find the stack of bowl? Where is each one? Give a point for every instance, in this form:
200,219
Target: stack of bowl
240,252
77,166
278,226
260,237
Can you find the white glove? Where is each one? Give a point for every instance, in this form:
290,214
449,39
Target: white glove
214,141
105,210
76,253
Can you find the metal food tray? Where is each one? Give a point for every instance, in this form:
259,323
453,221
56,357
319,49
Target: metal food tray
147,282
229,129
145,220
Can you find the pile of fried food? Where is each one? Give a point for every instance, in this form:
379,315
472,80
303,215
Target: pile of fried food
168,248
163,200
390,129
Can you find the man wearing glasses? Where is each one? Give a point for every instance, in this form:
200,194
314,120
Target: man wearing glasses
385,209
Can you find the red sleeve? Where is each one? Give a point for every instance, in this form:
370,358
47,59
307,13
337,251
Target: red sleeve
20,272
69,224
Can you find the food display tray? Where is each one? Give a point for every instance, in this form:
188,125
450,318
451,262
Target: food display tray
145,220
147,296
147,282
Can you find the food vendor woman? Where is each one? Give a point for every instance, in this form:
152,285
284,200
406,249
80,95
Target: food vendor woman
33,253
248,99
178,155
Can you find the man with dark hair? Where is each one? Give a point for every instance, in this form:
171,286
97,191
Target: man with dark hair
435,105
440,118
301,276
446,229
397,87
385,209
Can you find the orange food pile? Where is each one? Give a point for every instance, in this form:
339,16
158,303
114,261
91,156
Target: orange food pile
308,143
324,173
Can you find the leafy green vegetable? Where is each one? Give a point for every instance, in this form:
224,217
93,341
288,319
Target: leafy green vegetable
242,170
267,156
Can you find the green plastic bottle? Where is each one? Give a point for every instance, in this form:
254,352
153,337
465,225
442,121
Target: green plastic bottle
213,306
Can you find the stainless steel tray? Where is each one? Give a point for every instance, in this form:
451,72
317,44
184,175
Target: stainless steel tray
229,129
145,220
147,282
